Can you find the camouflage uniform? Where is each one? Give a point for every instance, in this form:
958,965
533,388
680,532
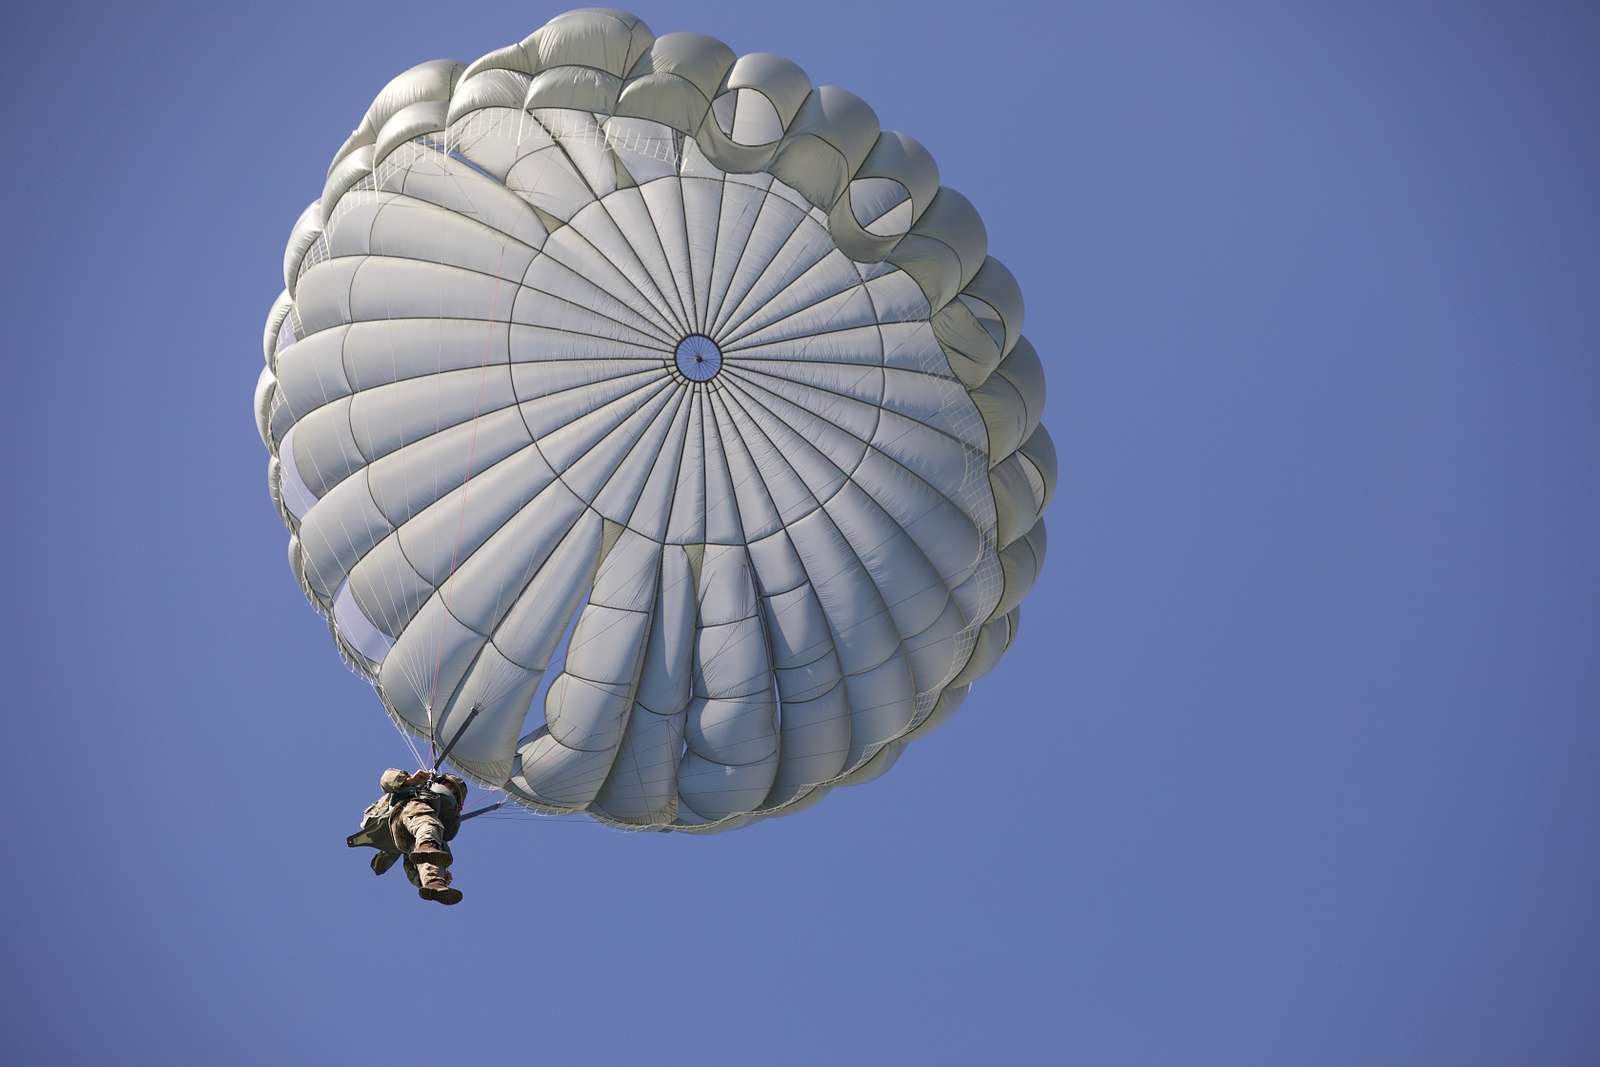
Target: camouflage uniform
416,823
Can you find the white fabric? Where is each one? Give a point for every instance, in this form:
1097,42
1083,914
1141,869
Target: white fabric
731,592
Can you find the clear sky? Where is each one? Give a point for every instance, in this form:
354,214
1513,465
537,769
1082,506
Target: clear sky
1293,762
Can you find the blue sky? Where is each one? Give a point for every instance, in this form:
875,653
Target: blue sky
1292,762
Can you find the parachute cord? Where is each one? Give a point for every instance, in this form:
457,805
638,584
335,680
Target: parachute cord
416,753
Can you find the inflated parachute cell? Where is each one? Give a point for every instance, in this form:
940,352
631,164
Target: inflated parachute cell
659,406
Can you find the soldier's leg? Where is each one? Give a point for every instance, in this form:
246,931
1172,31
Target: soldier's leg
421,834
426,832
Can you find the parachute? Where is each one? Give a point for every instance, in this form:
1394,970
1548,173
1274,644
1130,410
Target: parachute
651,426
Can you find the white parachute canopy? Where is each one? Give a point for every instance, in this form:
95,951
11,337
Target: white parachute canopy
656,405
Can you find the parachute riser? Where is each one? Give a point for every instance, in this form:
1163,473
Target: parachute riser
475,812
473,714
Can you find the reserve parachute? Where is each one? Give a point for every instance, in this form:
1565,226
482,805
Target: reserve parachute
655,411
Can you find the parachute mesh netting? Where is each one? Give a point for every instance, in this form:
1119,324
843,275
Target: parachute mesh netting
624,378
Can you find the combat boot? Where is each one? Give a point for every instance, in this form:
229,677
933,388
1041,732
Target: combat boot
438,887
